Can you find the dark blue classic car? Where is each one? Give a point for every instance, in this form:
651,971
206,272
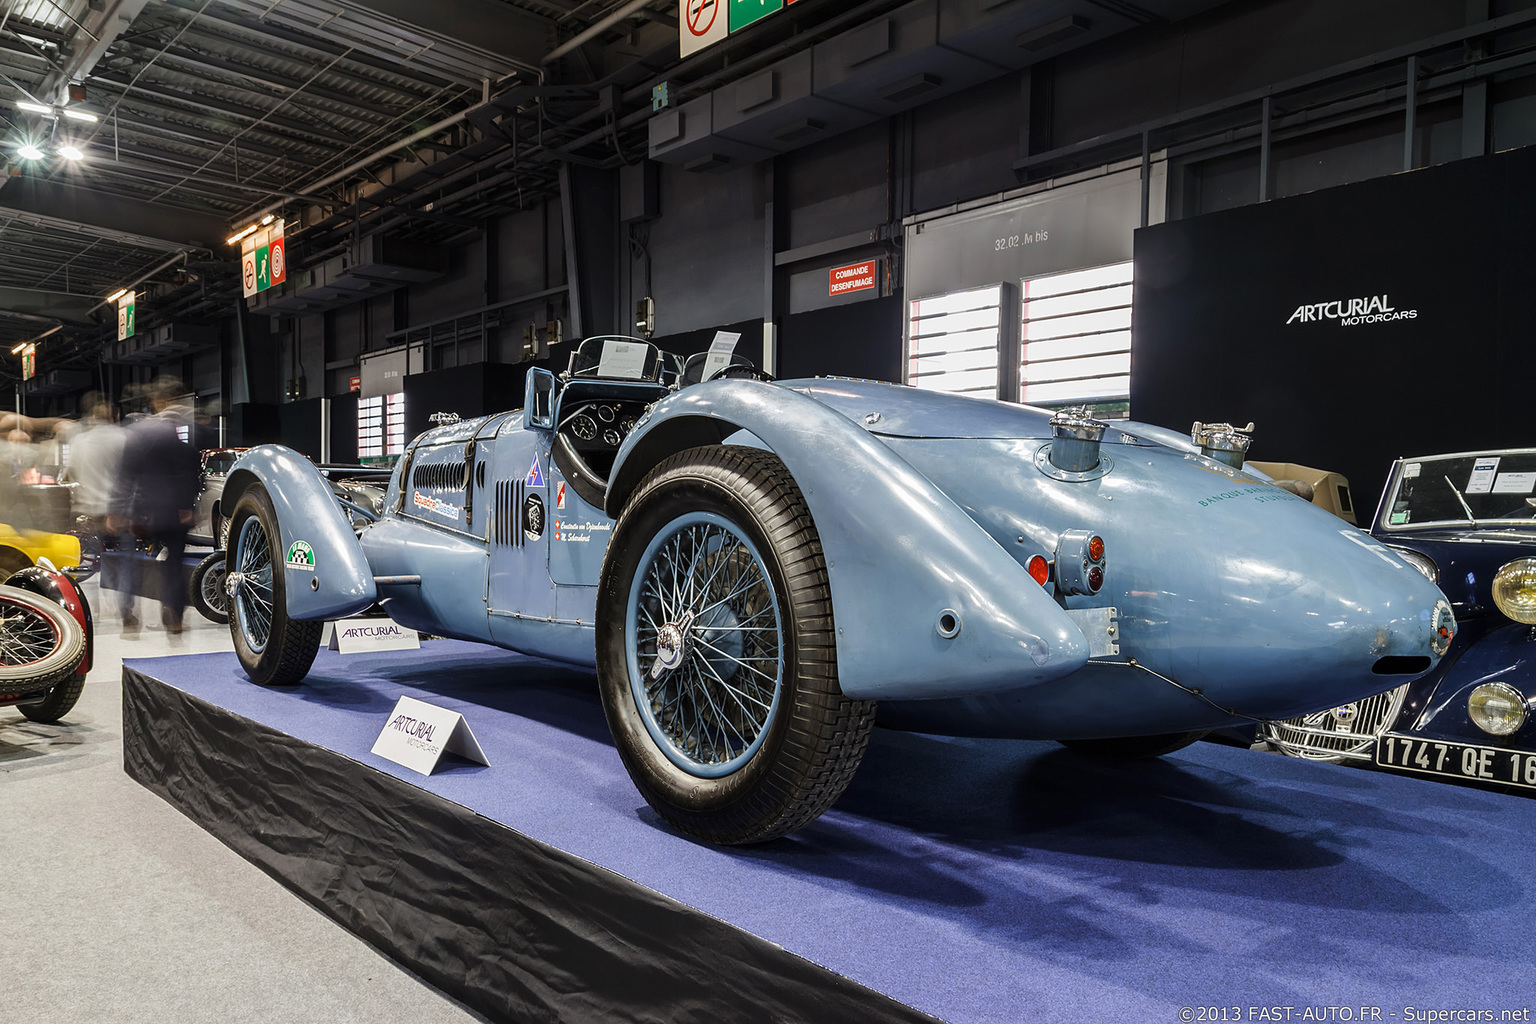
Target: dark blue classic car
1468,522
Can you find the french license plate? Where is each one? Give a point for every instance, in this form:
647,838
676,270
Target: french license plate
1457,760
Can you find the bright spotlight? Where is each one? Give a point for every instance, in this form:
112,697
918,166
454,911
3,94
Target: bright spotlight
36,108
70,152
80,115
31,152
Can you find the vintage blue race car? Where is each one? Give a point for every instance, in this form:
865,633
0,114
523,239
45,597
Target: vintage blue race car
752,565
1467,521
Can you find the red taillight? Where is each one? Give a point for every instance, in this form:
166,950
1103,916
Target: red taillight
1095,579
1096,549
1040,570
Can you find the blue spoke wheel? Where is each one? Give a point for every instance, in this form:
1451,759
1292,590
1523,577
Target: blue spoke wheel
273,648
716,650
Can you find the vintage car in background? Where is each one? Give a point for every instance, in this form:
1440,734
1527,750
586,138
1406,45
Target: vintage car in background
46,643
361,485
21,548
1322,487
1467,521
208,525
752,566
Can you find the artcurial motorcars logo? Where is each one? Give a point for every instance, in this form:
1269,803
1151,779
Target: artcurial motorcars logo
1370,309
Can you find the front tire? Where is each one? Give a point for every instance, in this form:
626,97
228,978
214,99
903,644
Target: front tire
716,650
207,588
274,649
40,644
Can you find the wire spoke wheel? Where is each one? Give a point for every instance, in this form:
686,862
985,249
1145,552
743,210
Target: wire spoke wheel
208,587
273,648
254,598
716,650
707,655
27,636
40,643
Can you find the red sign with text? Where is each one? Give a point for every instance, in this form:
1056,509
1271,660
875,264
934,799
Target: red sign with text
855,277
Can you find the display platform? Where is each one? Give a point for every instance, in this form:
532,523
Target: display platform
976,881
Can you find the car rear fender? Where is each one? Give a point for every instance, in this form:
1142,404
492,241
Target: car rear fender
906,564
337,580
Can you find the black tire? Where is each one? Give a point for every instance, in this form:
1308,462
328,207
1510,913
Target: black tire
1135,748
779,755
207,588
59,702
40,643
274,649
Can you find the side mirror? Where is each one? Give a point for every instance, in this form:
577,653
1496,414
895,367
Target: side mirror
539,400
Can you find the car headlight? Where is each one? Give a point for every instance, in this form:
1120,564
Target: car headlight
1423,563
1496,708
1514,590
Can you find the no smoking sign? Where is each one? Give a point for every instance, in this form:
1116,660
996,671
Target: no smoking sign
704,22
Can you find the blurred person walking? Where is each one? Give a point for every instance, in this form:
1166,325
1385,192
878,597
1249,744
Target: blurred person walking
157,489
95,459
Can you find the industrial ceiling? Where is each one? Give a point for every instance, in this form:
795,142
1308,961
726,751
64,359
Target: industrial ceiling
191,118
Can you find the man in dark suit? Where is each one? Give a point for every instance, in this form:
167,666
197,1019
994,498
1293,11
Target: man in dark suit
157,490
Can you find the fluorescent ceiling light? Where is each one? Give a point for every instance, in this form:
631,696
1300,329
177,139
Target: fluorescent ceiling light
80,115
232,239
31,152
36,108
70,152
17,349
117,294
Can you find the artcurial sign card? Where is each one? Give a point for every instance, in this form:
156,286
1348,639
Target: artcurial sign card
417,734
360,636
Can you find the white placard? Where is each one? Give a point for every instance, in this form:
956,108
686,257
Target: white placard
418,734
360,636
720,352
623,359
701,23
1483,470
1515,483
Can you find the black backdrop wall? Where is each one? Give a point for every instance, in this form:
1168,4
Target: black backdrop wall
1246,315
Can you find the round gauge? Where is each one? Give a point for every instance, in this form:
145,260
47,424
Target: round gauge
584,427
626,425
605,413
611,437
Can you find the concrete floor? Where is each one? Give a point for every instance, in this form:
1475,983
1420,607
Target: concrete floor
116,908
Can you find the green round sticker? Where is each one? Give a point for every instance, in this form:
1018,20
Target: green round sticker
301,555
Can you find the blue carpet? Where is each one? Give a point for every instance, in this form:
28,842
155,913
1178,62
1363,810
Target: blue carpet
1001,881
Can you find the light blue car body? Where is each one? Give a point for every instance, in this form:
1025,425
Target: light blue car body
1224,599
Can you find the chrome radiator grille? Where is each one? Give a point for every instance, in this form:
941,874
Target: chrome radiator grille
1346,733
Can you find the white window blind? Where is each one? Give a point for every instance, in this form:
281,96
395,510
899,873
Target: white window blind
381,425
952,341
1075,338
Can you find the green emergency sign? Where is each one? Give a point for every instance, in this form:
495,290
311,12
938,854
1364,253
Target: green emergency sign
745,12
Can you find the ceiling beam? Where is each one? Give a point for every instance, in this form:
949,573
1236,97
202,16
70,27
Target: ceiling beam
98,30
511,34
135,223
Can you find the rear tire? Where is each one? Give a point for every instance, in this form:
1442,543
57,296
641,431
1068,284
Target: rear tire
1135,748
274,650
716,650
207,588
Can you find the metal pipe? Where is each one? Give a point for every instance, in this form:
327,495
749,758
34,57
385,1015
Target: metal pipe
597,28
353,168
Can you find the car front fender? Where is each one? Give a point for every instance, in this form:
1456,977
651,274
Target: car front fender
338,582
906,564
